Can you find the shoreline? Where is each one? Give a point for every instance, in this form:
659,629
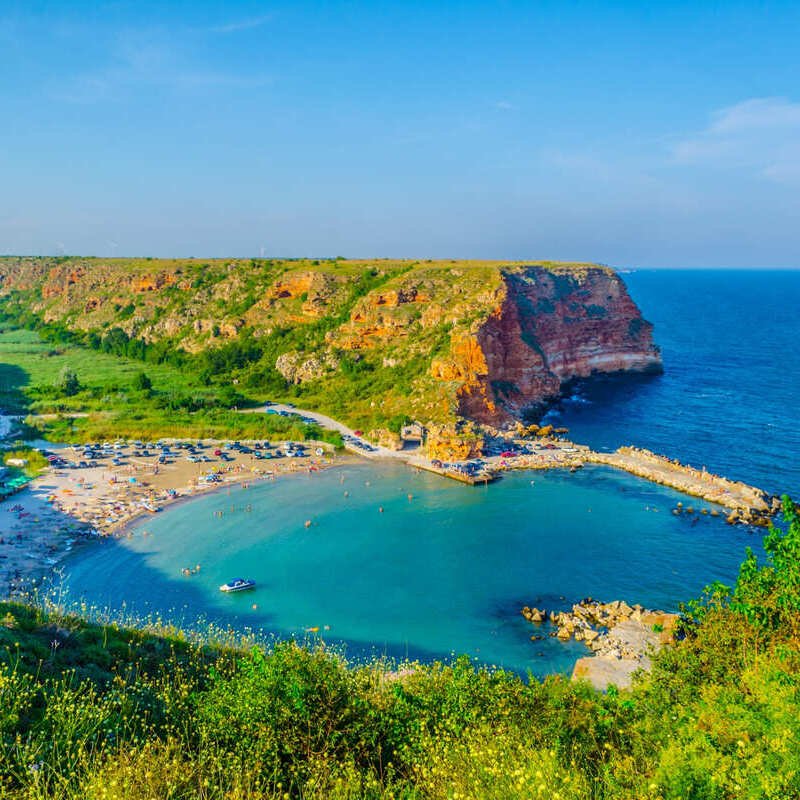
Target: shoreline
123,527
59,510
748,505
67,506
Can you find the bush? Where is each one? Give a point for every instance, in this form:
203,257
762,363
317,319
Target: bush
37,463
141,382
67,383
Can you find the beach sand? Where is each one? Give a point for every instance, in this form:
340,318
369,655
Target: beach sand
65,507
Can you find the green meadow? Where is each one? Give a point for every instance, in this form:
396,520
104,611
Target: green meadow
73,393
27,363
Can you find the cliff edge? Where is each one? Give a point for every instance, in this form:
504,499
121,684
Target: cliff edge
549,328
367,341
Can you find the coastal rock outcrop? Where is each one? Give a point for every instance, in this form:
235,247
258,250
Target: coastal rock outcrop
549,328
621,637
488,341
453,442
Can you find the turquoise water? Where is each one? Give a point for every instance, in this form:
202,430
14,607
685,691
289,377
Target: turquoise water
448,571
445,572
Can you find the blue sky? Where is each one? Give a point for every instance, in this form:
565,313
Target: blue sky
635,134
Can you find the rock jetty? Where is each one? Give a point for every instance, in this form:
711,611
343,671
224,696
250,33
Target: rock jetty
748,505
621,637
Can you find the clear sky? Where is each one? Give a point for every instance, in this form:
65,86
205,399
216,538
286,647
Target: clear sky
631,133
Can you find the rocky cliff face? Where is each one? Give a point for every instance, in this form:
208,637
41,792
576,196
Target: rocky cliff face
434,340
548,329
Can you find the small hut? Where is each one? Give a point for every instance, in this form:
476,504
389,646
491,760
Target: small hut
413,432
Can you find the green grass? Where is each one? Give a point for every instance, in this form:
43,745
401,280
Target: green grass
97,709
108,406
27,362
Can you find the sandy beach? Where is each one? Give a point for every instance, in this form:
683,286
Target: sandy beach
65,507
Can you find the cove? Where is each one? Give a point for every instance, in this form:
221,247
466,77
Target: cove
443,573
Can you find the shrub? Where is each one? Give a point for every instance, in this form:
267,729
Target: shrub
67,383
141,382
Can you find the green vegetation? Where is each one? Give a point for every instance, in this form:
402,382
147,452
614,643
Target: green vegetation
115,397
353,339
96,710
142,382
67,384
37,463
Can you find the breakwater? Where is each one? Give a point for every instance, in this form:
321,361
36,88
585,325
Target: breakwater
748,504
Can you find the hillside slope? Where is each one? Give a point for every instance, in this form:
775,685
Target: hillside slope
99,710
369,341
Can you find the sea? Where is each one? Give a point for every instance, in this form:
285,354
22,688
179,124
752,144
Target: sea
403,565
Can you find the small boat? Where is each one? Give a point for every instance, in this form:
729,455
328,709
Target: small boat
237,585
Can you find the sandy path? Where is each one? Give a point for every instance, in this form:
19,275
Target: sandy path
334,425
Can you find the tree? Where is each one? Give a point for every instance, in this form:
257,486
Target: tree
142,382
68,383
228,397
768,593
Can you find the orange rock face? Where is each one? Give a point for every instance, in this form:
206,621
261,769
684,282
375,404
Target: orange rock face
292,286
151,283
314,287
549,329
448,443
467,365
60,279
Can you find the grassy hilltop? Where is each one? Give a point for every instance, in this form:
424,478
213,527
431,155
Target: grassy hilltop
97,710
360,340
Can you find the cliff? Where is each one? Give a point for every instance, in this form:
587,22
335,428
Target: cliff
549,328
367,340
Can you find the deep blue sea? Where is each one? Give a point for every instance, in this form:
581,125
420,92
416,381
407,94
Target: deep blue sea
729,397
447,571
